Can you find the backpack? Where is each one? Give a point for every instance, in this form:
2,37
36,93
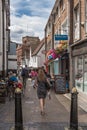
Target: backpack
24,72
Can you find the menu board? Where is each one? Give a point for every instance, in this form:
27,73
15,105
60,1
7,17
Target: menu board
60,86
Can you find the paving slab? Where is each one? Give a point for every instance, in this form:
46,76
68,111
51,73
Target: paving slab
57,110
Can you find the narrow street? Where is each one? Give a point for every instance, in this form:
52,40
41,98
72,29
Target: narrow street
57,113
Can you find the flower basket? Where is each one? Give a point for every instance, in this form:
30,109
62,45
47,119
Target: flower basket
61,47
64,47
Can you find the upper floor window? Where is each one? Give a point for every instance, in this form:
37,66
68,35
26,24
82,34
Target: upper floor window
49,45
76,23
62,5
64,28
49,28
58,11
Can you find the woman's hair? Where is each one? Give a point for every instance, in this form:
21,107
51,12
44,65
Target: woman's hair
41,75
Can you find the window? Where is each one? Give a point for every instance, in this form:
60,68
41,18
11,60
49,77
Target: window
49,28
85,73
58,11
77,23
64,28
79,72
62,5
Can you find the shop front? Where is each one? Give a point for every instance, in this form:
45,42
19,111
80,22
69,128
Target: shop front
54,67
57,62
79,53
57,66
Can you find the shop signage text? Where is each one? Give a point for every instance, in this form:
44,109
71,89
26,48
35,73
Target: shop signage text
60,37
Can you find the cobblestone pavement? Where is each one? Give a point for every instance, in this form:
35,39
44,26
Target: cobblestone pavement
57,113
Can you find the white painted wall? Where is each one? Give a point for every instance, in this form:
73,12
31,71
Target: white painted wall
12,64
41,57
37,60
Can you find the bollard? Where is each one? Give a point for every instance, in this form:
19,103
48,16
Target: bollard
18,110
74,110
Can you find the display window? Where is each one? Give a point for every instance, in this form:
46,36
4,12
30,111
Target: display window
85,73
80,73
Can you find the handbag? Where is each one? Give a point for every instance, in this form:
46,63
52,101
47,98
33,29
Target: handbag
47,85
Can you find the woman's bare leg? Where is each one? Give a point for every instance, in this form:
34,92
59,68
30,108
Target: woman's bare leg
41,104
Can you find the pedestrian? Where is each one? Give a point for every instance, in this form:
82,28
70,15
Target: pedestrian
42,89
13,77
12,82
24,74
19,73
34,76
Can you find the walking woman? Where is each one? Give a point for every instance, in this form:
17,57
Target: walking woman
41,89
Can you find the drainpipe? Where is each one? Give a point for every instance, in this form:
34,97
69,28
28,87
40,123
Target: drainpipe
46,67
71,21
52,31
53,39
8,43
45,41
71,3
3,51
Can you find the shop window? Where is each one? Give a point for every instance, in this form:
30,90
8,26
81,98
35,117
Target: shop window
85,73
77,23
79,72
56,68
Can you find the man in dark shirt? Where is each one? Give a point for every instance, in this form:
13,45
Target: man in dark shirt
24,75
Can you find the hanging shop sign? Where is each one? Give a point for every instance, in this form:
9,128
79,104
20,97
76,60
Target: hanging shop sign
60,37
51,54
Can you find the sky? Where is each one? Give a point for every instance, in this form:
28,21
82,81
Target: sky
29,18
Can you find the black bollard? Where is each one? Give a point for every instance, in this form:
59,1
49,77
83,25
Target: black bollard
18,111
74,110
